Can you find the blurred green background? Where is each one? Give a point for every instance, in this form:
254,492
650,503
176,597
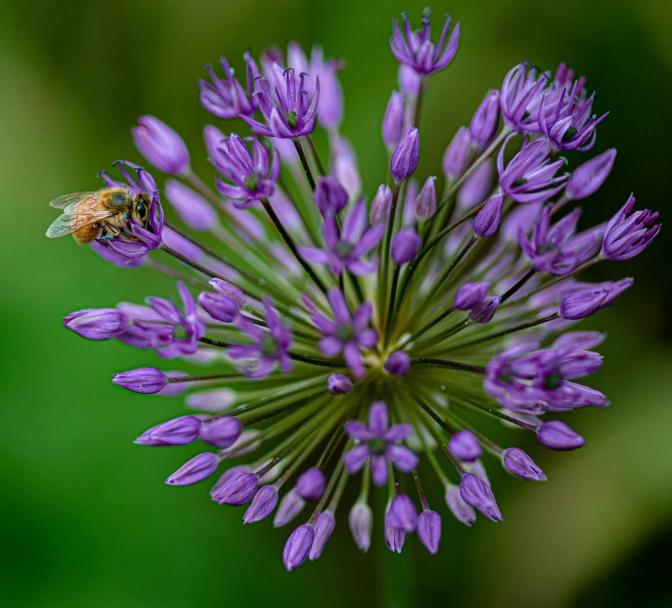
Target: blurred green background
85,518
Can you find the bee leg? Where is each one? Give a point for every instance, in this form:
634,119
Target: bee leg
110,232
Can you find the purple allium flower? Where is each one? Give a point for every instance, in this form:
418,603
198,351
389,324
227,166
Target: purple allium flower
338,384
197,469
398,363
477,493
529,177
298,546
416,49
518,463
380,206
520,97
587,299
566,120
483,312
346,247
144,380
402,513
227,98
557,249
324,526
161,146
361,521
458,154
589,177
460,509
464,446
393,121
287,110
222,431
379,443
330,196
429,530
179,431
556,435
191,207
253,175
486,223
97,323
347,333
268,346
425,203
310,484
262,504
485,121
405,244
470,295
224,305
303,330
405,156
626,237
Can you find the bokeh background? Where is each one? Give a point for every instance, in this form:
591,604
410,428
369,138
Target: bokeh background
85,519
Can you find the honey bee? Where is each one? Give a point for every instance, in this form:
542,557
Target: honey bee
86,215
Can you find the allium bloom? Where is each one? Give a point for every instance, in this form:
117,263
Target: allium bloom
161,146
353,352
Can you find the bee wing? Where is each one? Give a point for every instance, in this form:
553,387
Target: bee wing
69,199
67,224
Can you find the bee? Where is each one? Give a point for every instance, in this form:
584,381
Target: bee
86,215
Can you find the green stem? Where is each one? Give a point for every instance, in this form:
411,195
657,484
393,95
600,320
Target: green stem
304,162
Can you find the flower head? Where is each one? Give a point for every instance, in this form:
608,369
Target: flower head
628,235
226,98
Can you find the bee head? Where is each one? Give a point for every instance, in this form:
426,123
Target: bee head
141,206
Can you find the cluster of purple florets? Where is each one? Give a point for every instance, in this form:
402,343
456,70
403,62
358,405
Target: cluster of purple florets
346,338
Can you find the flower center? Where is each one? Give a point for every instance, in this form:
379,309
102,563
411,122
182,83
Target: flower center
269,347
554,380
548,248
343,249
179,333
569,133
292,119
251,182
377,445
345,332
519,182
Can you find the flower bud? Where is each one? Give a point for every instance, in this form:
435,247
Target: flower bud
460,509
226,477
144,380
589,177
221,432
425,203
191,207
222,307
393,121
484,312
486,222
310,484
361,521
470,295
230,291
238,490
338,384
345,166
179,431
402,513
330,108
211,400
380,206
398,363
394,537
626,237
329,195
557,435
518,463
161,146
200,467
97,323
585,301
484,124
457,155
405,156
298,546
477,493
409,80
429,530
262,504
464,446
405,244
476,187
290,507
324,526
